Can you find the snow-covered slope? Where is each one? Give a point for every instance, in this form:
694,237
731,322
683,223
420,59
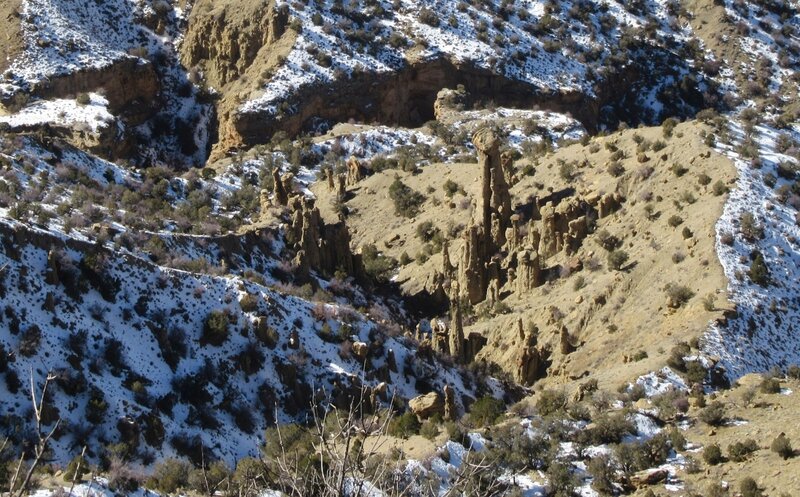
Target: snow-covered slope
129,343
763,334
560,47
61,37
74,47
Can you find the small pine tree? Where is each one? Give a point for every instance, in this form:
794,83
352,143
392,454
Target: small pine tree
712,454
215,329
758,272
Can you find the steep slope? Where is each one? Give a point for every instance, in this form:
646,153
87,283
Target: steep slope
754,46
618,322
124,49
167,360
386,61
12,43
761,222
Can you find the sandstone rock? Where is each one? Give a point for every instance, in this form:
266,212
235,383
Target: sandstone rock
513,240
447,268
360,350
448,99
473,345
565,341
532,364
226,40
450,413
439,336
354,174
585,388
529,271
281,194
329,179
549,240
341,190
507,161
471,277
608,204
649,477
425,406
325,247
495,197
456,335
574,265
493,292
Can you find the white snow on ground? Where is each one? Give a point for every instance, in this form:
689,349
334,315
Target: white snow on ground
764,333
766,40
660,382
63,36
550,125
368,142
372,141
96,487
160,306
63,112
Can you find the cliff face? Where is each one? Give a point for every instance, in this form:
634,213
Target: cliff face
236,46
225,38
405,98
383,63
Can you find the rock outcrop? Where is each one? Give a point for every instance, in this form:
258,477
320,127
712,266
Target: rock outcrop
471,269
354,173
425,406
455,338
608,204
224,38
321,247
533,361
280,189
473,345
529,271
450,413
495,203
565,341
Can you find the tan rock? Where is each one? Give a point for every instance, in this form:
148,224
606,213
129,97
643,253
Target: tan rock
360,350
450,413
425,406
354,175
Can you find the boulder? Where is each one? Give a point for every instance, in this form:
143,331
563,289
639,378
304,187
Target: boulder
360,350
425,406
649,477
